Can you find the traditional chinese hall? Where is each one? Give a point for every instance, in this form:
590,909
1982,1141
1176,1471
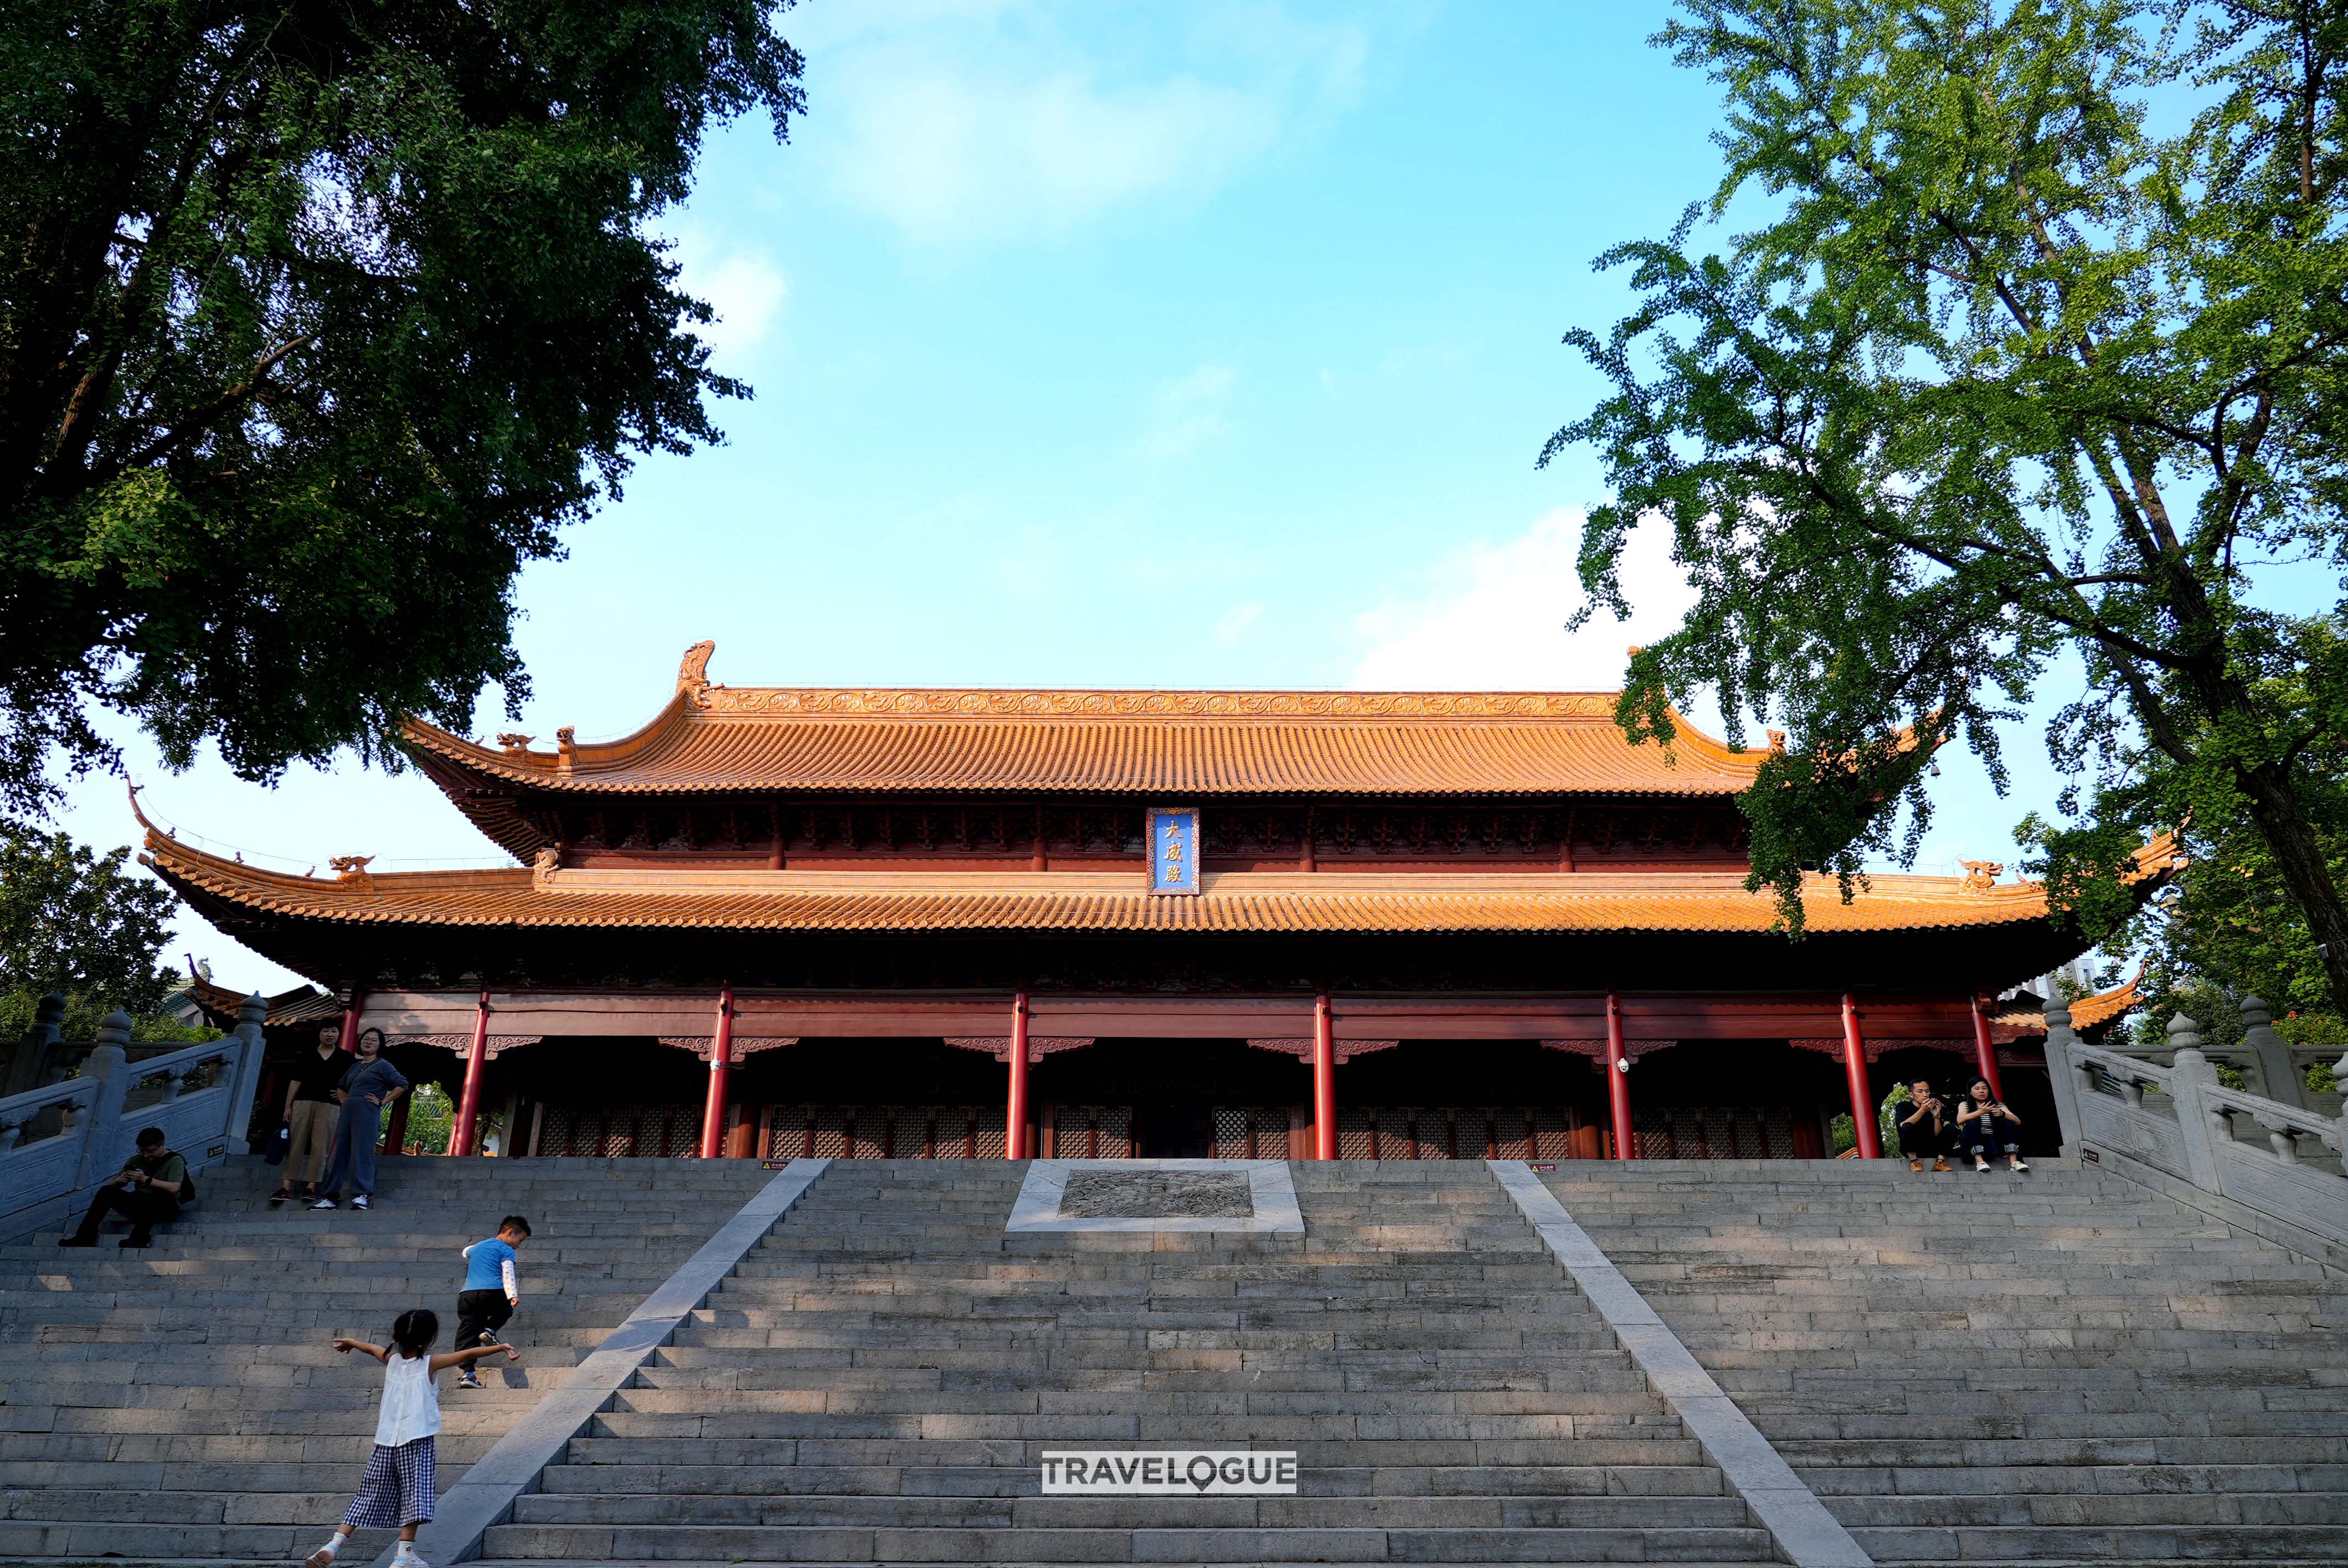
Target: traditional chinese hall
932,923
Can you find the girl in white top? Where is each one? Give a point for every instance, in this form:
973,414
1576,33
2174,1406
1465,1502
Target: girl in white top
398,1487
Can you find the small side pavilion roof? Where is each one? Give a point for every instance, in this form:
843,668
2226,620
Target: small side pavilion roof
2092,1017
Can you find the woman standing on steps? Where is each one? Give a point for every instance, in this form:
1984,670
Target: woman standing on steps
368,1085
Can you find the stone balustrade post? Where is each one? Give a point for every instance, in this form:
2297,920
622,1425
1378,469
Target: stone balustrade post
2340,1073
108,1066
2197,1120
2279,1079
2063,1074
249,1015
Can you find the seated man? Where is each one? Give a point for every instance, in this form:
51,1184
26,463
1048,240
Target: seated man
146,1192
1924,1130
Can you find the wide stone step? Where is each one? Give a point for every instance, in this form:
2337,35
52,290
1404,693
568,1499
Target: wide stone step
1423,1388
1782,1427
2104,1448
1213,1430
750,1347
2083,1509
581,1474
913,1451
2131,1545
1382,1511
686,1563
1019,1544
310,1510
1944,1481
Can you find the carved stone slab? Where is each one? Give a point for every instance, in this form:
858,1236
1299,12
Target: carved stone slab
1185,1196
1156,1196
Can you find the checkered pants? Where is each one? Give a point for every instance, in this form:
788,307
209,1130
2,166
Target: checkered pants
397,1489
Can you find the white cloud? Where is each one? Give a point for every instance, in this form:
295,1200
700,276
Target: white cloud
1492,617
744,286
1187,413
966,125
1234,624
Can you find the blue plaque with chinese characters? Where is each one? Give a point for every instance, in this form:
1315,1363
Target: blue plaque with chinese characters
1172,834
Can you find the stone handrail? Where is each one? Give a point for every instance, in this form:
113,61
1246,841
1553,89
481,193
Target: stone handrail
45,1179
72,1096
2188,1135
2284,1125
2132,1073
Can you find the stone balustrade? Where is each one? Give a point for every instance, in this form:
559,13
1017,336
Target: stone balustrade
58,1142
2274,1156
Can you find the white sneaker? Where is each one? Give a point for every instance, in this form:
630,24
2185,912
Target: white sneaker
407,1557
326,1204
359,1202
324,1556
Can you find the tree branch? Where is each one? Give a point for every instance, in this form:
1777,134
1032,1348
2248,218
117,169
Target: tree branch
199,419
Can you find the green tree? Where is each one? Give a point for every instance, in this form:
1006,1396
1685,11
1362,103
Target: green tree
2002,384
316,322
429,1119
71,922
2231,917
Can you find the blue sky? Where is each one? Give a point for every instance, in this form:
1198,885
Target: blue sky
1115,344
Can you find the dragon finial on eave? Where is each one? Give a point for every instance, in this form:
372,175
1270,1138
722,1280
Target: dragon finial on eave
692,671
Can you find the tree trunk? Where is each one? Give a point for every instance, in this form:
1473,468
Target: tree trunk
2274,806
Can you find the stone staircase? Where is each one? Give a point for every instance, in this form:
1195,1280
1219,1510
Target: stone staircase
879,1381
181,1404
2056,1367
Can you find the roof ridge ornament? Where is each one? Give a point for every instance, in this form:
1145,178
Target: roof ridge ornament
351,867
692,671
1980,876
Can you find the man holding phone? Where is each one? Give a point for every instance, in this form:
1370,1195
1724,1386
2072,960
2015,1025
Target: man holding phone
147,1191
1924,1130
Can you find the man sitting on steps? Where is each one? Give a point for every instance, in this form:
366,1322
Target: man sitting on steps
146,1191
1925,1131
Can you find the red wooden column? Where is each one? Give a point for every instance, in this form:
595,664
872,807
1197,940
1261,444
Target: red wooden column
1325,1080
721,1055
1618,1082
395,1126
350,1040
467,1138
1015,1130
1986,1050
1854,1066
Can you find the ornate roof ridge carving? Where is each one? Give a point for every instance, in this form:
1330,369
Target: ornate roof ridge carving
1149,702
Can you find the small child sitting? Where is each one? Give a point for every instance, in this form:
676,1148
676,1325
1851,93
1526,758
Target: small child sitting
400,1483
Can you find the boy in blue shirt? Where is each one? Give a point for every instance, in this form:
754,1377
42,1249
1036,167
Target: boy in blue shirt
491,1291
